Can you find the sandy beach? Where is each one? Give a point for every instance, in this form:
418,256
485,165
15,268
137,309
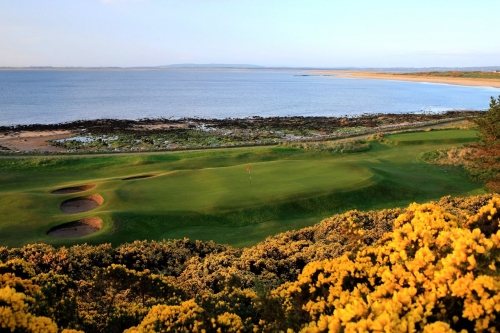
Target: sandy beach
416,78
33,140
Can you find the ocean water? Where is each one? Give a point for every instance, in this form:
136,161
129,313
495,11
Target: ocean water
55,96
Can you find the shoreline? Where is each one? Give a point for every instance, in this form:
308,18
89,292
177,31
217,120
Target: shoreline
470,82
114,135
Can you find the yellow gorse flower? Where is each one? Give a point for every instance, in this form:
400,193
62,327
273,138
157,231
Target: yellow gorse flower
14,315
431,274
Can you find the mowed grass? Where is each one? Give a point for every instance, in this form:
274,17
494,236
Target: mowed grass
228,188
440,136
209,195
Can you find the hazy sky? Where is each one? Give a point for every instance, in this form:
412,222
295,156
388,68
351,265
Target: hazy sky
313,33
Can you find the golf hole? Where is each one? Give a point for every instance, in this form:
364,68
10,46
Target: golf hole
138,177
74,189
81,204
78,228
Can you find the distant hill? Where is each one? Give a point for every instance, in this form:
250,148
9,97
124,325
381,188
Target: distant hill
211,66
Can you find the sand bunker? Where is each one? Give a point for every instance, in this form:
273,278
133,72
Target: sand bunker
76,228
81,204
74,189
138,177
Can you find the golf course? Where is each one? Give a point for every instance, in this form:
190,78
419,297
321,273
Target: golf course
233,196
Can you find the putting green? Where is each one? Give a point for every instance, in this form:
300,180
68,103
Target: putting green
208,195
227,188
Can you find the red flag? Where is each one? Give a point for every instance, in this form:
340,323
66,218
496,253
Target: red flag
248,168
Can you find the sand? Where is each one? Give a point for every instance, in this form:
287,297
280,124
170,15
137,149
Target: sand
74,189
81,204
398,77
76,228
32,140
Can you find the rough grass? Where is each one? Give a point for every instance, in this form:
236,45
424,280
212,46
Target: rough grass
208,195
343,146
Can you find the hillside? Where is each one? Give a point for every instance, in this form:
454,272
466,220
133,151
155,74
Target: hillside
427,268
212,195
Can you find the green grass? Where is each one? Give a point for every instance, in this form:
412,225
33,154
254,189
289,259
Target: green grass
436,137
452,74
208,195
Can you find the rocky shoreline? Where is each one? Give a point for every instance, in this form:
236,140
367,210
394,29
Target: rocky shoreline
115,135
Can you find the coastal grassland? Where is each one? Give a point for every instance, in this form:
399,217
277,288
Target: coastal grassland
455,78
208,195
460,74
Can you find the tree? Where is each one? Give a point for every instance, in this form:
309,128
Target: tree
489,124
487,155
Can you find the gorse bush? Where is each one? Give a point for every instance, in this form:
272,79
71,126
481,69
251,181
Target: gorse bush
15,316
432,273
428,268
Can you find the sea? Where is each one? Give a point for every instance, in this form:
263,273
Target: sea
57,96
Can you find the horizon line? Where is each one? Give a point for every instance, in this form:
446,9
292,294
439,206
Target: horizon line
247,66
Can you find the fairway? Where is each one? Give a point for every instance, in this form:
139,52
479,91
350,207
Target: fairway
440,136
210,195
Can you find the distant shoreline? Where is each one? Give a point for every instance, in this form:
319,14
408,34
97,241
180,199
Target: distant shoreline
471,82
383,74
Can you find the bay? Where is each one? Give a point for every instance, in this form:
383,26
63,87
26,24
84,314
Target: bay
56,96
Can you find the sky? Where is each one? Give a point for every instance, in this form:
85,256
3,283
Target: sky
284,33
